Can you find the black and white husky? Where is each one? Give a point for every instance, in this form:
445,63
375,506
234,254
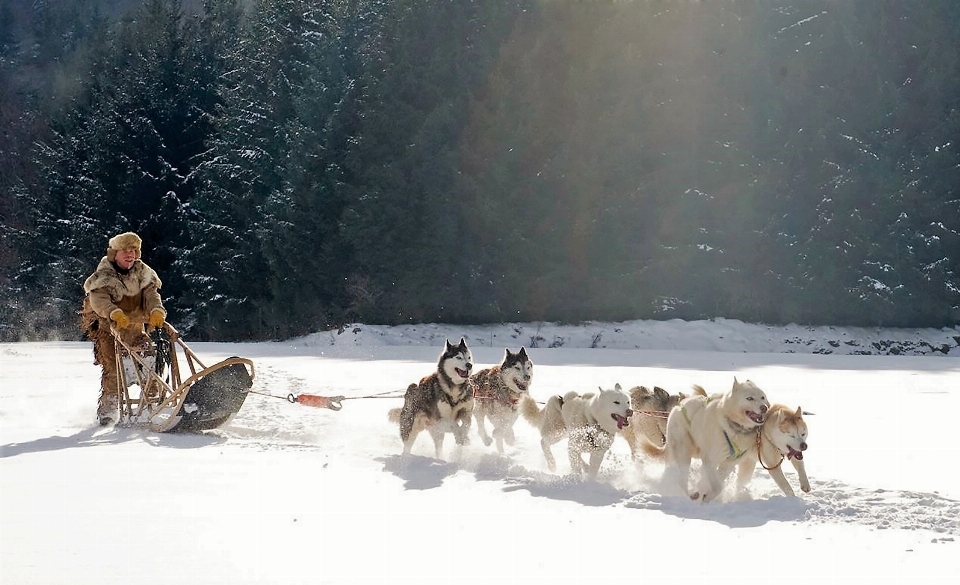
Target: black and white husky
442,402
497,392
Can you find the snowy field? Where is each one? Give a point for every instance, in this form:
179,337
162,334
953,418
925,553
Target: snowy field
288,494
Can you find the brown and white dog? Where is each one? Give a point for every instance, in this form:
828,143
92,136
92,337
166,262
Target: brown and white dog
496,394
783,435
649,420
442,402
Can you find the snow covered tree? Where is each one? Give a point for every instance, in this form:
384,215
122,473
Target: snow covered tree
133,137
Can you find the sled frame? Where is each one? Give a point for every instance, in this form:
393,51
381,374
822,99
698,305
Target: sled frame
160,398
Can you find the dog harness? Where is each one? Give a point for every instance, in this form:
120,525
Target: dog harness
498,394
735,452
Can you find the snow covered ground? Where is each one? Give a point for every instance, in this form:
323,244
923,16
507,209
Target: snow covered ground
290,494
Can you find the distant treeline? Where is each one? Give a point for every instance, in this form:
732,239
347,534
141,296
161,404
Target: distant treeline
293,165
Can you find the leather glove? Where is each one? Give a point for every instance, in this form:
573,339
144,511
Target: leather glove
120,318
157,318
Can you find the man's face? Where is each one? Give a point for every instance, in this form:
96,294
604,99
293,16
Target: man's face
126,258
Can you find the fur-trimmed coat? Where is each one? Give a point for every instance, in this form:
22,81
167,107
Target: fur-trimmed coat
136,292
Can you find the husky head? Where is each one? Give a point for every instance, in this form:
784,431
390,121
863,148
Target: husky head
516,370
659,400
456,361
746,404
787,431
612,408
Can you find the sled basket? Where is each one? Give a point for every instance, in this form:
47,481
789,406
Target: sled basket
215,395
205,400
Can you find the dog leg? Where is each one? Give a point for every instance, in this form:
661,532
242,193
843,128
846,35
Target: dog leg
777,475
679,455
596,458
461,428
710,473
461,434
745,471
408,431
482,429
802,472
548,455
498,437
576,461
632,441
508,437
437,440
408,442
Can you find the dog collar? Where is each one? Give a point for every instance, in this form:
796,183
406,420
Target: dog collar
739,428
761,434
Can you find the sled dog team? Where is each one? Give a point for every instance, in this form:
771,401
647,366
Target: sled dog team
731,430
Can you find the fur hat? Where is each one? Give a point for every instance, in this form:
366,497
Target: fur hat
123,241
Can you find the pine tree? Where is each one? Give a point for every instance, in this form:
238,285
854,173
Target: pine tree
116,154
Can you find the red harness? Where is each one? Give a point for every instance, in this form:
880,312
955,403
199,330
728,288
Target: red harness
487,394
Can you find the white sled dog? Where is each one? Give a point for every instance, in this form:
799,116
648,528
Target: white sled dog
720,428
442,402
650,411
783,435
590,422
496,394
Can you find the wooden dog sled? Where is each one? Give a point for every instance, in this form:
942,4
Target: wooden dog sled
155,394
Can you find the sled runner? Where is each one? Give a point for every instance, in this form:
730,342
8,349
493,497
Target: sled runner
167,402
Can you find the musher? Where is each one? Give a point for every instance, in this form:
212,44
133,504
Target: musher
123,292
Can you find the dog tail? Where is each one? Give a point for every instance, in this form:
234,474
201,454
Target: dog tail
394,415
653,451
698,390
530,411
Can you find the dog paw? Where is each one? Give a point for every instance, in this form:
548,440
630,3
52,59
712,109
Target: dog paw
487,441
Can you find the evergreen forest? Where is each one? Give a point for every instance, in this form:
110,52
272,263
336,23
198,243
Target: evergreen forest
298,165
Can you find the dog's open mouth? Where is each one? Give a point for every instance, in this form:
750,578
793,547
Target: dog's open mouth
463,373
757,418
793,453
622,421
522,386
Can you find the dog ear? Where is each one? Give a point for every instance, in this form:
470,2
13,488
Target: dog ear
447,345
522,354
617,387
799,412
661,393
463,342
